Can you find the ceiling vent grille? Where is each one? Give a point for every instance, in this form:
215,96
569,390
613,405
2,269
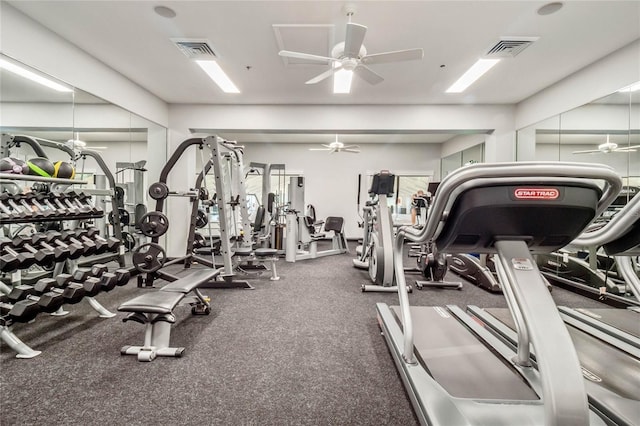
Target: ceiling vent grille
195,48
508,47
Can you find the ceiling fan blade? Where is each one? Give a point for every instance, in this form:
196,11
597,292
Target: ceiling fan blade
396,56
354,151
368,75
319,149
307,56
353,40
627,148
351,147
588,151
328,73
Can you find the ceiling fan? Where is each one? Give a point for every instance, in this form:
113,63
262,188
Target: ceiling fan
77,144
337,146
351,55
608,147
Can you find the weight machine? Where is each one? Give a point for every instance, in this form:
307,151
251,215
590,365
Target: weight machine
302,233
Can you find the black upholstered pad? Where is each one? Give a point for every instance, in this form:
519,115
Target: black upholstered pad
264,252
190,282
153,303
242,251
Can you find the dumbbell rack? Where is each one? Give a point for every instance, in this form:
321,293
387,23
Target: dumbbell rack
41,248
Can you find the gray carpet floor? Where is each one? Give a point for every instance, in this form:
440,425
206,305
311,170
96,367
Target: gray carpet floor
305,350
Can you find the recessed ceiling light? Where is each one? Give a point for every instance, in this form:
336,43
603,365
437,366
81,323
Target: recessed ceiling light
217,74
550,8
476,71
165,12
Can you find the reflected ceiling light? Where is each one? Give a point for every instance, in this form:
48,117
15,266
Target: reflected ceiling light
30,75
165,12
630,88
217,74
342,80
550,8
476,71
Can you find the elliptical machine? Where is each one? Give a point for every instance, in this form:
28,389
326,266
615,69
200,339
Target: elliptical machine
376,252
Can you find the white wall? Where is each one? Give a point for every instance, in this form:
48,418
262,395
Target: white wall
331,180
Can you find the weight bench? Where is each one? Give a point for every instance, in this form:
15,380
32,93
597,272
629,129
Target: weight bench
155,311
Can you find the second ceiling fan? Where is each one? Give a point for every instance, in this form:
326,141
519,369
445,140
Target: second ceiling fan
351,55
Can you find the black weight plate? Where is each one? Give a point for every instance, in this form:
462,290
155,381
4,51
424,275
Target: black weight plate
149,257
158,191
201,219
154,224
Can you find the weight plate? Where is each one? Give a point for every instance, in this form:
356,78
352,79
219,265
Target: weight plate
201,219
154,224
125,218
203,193
158,191
128,241
149,257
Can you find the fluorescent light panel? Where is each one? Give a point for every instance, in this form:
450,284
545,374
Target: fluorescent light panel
215,72
342,80
476,71
631,88
30,75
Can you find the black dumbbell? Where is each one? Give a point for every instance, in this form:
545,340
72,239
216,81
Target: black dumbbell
91,285
100,245
123,276
60,254
71,292
11,259
112,243
16,211
75,249
48,302
88,246
22,311
84,200
35,198
34,207
108,281
42,256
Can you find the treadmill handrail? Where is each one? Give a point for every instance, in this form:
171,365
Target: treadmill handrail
615,228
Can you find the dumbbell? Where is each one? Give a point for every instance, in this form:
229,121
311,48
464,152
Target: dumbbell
91,284
102,244
22,311
48,302
34,207
35,198
42,256
71,292
7,213
122,276
45,198
54,237
84,200
88,247
60,253
16,212
71,199
12,260
60,200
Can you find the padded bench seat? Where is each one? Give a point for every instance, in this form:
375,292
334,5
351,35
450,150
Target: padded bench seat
190,282
152,303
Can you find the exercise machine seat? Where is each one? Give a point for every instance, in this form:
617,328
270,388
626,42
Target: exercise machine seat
333,223
157,302
190,282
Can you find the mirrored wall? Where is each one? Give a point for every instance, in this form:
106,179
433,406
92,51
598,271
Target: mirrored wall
605,131
471,155
130,147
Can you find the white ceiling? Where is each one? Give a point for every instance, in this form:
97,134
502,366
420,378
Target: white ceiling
132,39
135,41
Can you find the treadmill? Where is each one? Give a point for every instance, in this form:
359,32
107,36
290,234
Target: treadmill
456,371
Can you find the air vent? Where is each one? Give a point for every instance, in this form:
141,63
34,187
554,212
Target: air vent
508,47
194,48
